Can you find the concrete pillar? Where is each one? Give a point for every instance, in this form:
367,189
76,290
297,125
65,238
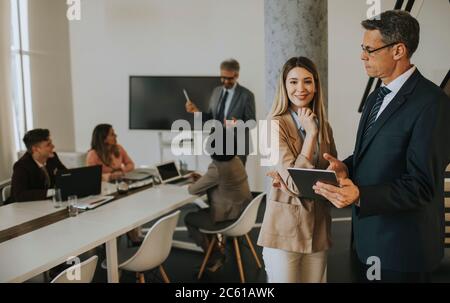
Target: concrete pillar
294,28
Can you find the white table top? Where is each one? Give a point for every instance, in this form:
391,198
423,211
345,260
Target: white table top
28,255
17,213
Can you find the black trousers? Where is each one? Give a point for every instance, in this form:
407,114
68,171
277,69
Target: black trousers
201,219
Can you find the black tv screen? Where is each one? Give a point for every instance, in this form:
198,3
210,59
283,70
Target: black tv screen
156,102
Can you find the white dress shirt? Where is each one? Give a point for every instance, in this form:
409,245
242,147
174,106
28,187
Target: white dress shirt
394,87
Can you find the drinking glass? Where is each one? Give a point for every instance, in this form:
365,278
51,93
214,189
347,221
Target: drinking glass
72,205
57,198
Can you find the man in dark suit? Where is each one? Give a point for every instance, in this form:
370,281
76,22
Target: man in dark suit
34,173
397,167
230,101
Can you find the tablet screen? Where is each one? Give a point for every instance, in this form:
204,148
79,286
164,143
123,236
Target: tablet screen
304,179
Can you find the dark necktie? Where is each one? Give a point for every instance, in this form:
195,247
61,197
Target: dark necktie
47,176
382,92
221,112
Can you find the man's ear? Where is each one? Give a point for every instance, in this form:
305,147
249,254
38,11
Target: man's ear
400,51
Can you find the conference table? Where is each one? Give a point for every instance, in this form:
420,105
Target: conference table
37,251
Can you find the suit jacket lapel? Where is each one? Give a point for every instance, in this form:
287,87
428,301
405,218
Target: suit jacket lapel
292,131
393,106
236,95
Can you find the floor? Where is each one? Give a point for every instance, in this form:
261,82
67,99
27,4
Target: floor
183,265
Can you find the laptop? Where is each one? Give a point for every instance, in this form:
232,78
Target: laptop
169,174
82,182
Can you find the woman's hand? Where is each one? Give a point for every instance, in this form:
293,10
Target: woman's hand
116,175
308,121
277,181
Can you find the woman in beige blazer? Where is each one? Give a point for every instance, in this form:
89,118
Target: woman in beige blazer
295,232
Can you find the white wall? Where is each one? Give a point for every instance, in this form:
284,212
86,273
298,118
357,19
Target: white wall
346,75
117,38
51,89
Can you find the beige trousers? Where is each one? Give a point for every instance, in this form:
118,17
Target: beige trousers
290,267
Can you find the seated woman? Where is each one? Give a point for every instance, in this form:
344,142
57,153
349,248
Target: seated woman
106,152
114,161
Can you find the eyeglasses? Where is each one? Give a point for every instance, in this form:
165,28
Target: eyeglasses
227,78
370,51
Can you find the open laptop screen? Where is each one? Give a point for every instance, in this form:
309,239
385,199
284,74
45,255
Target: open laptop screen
168,171
83,181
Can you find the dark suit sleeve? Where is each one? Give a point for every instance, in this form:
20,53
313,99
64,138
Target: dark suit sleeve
349,163
20,187
249,110
207,116
426,155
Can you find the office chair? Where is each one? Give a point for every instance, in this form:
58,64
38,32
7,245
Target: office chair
241,227
154,250
86,272
6,194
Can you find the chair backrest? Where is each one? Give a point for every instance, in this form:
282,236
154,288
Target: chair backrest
156,246
78,273
246,220
6,193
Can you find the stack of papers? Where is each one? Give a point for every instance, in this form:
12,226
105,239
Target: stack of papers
93,201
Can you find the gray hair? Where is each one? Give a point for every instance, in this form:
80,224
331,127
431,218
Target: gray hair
230,64
396,26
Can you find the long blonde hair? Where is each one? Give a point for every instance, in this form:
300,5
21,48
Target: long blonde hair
281,103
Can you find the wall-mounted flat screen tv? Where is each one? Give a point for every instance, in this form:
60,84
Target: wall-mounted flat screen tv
157,101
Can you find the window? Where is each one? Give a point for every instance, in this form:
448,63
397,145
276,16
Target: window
20,65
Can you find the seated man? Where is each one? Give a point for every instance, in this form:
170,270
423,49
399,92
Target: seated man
226,185
34,173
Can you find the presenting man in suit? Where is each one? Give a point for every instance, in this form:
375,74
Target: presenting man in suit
34,173
395,177
230,101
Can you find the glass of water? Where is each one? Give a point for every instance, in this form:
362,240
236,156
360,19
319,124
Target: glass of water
57,198
72,205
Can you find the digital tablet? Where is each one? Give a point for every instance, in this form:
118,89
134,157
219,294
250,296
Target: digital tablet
305,179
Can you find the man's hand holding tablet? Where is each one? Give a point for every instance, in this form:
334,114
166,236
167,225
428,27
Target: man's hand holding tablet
346,194
305,179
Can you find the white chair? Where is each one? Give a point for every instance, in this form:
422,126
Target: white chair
241,227
154,250
86,271
6,193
